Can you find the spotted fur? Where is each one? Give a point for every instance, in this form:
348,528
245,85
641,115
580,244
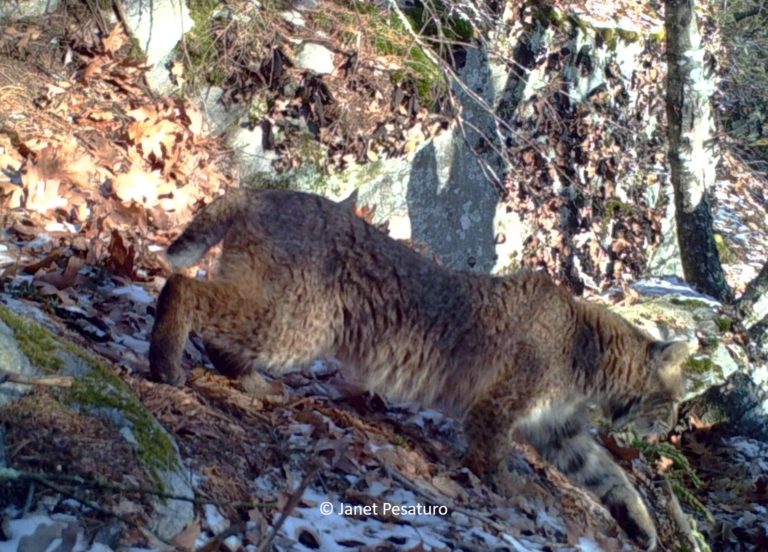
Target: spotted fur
302,277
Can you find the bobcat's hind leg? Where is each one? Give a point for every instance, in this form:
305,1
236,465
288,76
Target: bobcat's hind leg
173,321
241,368
565,442
487,431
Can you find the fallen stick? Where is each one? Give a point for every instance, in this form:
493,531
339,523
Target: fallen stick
50,381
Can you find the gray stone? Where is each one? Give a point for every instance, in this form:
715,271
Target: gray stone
315,57
219,118
440,195
17,9
13,360
158,26
253,160
170,517
294,18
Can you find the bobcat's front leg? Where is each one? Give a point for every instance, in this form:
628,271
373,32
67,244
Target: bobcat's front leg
566,443
174,319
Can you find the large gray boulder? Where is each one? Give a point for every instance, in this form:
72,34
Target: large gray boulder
158,27
18,9
26,347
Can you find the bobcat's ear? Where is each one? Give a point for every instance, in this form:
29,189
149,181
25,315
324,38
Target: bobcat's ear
668,356
669,352
350,202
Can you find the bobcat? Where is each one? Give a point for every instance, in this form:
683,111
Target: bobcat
302,277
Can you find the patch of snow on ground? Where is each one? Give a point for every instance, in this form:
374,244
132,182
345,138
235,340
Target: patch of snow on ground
5,258
135,293
216,522
62,227
544,519
518,545
588,545
750,452
671,286
138,346
40,241
324,519
41,530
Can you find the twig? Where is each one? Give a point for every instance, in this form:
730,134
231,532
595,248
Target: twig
10,473
49,381
452,76
290,505
13,474
402,480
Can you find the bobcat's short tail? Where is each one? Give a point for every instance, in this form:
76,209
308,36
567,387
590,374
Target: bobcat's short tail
206,229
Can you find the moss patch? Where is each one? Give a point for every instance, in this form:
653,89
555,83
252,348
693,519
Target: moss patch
391,38
724,323
99,388
726,255
689,303
102,388
37,343
699,365
200,56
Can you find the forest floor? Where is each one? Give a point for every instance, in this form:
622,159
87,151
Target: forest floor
99,174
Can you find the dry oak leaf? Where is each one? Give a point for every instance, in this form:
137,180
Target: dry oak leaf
153,136
115,40
138,185
96,66
195,117
42,191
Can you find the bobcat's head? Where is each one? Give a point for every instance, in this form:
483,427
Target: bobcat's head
652,411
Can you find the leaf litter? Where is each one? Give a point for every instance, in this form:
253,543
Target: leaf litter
99,182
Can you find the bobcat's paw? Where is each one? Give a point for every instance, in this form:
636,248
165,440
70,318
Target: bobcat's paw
253,384
163,370
632,515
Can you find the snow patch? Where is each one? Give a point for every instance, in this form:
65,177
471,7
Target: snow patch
672,286
135,293
216,522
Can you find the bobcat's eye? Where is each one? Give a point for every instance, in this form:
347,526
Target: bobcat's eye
657,417
622,413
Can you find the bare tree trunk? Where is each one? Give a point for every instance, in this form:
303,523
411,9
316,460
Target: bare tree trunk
692,158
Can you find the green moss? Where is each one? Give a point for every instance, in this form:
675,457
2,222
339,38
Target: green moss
699,365
726,255
659,36
99,388
399,441
550,15
102,388
689,303
38,344
608,37
259,108
579,23
426,16
681,475
724,323
201,63
614,206
628,36
391,38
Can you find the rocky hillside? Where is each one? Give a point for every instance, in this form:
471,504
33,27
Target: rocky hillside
488,138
